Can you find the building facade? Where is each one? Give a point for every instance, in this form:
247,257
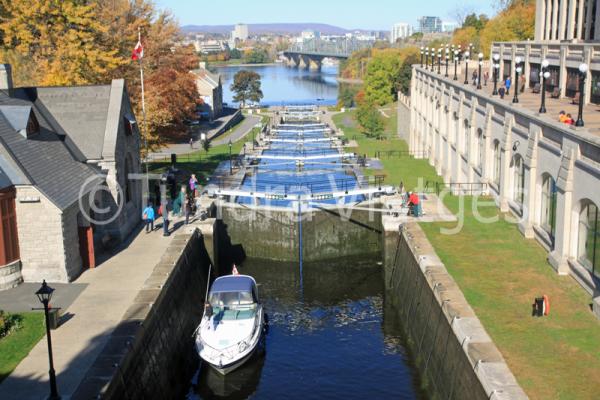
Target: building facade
66,159
240,32
545,173
210,90
430,25
400,31
557,20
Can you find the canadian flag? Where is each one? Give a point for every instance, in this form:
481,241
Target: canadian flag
138,51
234,271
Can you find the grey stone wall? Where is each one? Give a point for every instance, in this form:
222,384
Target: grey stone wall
273,233
150,354
452,351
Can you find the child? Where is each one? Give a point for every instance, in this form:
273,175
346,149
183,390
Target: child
148,217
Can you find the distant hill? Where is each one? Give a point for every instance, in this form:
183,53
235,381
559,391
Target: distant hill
259,29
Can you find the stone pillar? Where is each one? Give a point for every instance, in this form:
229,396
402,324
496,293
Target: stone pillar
314,64
554,23
571,20
303,62
540,13
564,211
597,31
580,19
562,20
506,157
548,23
588,21
529,201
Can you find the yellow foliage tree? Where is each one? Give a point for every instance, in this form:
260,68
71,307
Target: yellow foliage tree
63,39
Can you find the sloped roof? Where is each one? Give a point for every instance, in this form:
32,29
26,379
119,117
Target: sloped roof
207,77
47,159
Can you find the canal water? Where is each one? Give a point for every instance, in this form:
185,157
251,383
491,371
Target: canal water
329,336
282,85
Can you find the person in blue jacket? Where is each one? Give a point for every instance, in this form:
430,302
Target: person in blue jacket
148,217
507,85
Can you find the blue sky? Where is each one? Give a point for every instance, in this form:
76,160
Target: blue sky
373,14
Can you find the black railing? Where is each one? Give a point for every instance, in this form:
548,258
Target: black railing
399,154
465,188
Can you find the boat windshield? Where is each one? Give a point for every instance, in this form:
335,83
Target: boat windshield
232,300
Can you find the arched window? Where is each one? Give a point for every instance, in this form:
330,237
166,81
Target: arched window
548,200
588,251
518,179
496,169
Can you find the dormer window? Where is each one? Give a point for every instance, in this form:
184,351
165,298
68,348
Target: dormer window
130,125
22,119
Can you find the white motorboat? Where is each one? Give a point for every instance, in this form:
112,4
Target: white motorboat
232,325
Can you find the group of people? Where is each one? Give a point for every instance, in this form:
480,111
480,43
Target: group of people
183,205
566,118
475,78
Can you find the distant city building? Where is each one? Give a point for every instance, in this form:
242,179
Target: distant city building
211,46
210,90
449,26
430,25
400,30
240,32
310,34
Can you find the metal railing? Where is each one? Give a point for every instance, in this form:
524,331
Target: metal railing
339,47
399,154
464,188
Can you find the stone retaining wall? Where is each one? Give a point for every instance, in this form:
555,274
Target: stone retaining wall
151,349
452,351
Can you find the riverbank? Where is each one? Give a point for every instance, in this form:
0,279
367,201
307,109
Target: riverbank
349,80
241,64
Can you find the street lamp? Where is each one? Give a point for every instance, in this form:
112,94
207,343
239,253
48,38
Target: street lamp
440,60
544,74
421,56
583,69
230,163
480,55
516,84
432,53
447,59
44,294
467,67
427,58
496,71
455,64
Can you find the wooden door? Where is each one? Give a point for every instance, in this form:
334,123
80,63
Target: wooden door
86,246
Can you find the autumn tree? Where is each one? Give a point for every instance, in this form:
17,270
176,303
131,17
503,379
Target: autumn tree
61,39
246,86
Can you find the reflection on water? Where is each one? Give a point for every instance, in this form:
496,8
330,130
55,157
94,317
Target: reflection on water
283,85
327,338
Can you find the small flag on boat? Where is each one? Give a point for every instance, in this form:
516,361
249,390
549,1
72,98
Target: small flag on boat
234,271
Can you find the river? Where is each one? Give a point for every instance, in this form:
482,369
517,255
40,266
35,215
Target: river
282,85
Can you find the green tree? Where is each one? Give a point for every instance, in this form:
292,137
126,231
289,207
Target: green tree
370,120
258,56
246,86
235,54
477,22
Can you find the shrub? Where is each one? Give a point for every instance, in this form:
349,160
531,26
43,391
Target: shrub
9,323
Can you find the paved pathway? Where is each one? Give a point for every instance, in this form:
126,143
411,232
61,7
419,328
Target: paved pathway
241,130
111,287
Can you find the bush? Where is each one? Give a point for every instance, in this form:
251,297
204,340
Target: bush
9,323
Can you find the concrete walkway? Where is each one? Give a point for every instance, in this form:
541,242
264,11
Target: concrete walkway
111,288
241,130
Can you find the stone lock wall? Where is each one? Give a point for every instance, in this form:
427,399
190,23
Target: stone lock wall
455,356
152,348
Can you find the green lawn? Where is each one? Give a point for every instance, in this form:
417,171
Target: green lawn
397,169
15,346
500,273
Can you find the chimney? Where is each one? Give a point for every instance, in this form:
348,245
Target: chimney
5,77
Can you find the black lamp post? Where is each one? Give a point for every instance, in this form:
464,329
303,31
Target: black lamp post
440,60
480,56
583,69
44,294
544,74
467,67
516,84
455,64
433,60
230,162
422,57
447,60
496,71
427,58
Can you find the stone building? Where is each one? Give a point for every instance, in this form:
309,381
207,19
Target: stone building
544,172
210,90
65,155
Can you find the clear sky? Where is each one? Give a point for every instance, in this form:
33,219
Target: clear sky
349,14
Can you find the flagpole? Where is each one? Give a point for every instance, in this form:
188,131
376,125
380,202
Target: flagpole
144,120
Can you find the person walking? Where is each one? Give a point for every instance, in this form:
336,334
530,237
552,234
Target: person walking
502,91
164,207
148,217
522,82
486,76
188,209
191,143
475,77
507,84
193,184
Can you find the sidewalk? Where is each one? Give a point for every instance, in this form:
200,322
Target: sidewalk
111,288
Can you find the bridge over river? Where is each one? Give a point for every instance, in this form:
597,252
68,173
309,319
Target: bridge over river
309,54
